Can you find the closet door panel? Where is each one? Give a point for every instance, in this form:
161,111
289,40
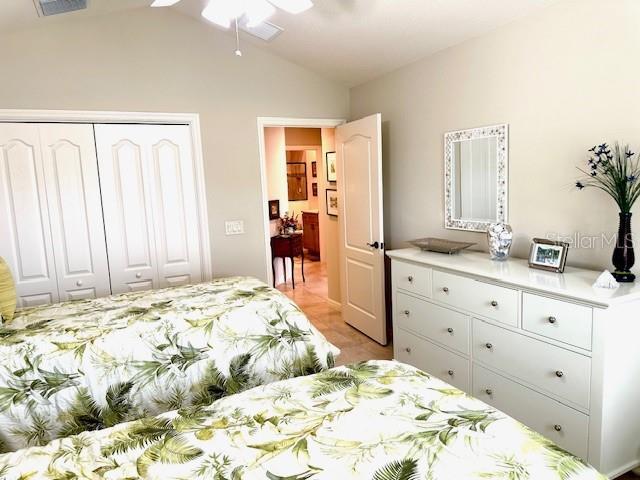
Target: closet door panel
25,234
127,196
177,226
77,228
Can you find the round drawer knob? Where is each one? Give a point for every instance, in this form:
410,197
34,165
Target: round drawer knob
553,319
79,283
138,275
559,373
450,372
557,428
406,312
489,345
450,330
408,350
410,278
488,391
494,303
445,289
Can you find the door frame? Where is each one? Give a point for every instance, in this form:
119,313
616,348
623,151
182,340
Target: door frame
265,122
149,118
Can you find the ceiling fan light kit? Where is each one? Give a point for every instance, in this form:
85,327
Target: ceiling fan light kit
253,13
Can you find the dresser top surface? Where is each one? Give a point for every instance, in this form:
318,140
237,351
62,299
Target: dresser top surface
574,283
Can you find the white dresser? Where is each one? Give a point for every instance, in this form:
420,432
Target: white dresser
545,348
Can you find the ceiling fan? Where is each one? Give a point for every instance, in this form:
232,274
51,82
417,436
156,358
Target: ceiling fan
225,12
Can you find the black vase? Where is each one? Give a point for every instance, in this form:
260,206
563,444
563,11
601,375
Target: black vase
623,256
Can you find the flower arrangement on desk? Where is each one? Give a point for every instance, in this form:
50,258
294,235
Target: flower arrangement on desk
616,172
288,223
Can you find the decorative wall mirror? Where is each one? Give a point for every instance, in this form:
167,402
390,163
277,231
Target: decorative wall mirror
297,181
475,169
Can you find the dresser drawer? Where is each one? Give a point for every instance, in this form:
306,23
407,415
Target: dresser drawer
553,369
562,321
440,324
488,300
564,425
434,360
412,278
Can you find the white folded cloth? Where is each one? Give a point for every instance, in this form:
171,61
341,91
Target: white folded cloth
606,280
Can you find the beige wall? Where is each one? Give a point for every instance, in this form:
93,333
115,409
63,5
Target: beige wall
302,136
160,60
329,242
276,165
563,79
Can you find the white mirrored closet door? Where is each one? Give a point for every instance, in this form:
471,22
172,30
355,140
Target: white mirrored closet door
150,205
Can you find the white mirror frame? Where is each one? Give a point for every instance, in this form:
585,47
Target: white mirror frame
501,132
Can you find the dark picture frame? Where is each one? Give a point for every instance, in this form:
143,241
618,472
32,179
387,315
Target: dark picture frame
330,161
548,255
314,189
332,201
274,209
314,170
297,181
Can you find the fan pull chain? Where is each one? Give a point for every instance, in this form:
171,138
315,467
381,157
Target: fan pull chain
238,52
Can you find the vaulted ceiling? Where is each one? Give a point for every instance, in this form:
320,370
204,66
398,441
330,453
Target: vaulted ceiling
351,41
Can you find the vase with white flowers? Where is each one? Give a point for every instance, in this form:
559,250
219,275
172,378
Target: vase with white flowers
616,171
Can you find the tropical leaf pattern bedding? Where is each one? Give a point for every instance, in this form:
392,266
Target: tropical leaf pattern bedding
91,364
379,420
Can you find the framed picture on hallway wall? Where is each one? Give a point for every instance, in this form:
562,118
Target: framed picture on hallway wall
332,202
332,175
314,169
274,209
314,189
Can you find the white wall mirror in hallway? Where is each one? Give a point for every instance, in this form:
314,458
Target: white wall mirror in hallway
476,177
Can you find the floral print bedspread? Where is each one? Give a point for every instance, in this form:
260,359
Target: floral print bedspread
87,365
379,420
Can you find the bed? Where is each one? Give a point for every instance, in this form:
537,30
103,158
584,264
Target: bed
376,420
87,365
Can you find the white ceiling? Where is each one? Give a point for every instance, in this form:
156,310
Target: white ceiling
16,14
354,41
351,41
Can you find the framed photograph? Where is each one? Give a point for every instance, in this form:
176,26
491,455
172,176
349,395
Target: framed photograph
314,189
314,170
274,209
548,255
332,175
332,202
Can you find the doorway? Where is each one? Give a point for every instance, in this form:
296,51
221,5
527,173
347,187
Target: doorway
297,182
303,235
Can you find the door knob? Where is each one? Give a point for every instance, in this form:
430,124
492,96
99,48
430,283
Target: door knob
489,345
406,312
488,391
557,428
408,350
138,275
559,373
553,319
374,245
494,303
450,372
445,289
450,330
79,283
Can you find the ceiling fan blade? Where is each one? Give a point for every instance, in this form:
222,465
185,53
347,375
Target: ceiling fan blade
258,11
293,6
164,3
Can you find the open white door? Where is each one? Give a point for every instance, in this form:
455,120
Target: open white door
359,168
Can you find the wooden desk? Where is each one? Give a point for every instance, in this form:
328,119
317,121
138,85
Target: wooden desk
287,246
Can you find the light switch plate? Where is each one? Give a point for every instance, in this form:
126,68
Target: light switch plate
234,227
